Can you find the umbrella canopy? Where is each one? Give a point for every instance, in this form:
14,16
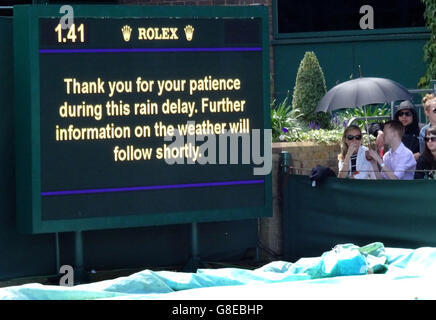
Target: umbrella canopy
362,91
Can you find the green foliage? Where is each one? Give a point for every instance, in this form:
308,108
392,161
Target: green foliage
284,121
430,46
324,136
287,126
369,111
309,88
321,136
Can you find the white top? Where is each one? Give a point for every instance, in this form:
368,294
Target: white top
401,162
363,166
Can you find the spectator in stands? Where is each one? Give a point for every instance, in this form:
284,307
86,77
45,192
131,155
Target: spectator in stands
398,163
426,164
352,161
407,115
429,103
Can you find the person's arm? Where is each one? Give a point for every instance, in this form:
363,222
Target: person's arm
384,168
402,166
343,171
389,173
376,169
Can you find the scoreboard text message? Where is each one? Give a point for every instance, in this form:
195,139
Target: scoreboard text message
149,115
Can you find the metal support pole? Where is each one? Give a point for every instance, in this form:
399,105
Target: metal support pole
194,261
392,110
285,160
258,240
78,249
79,270
58,259
194,240
194,247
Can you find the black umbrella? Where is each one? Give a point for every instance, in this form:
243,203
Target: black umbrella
362,91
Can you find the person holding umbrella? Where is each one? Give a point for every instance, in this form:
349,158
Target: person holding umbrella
352,161
398,163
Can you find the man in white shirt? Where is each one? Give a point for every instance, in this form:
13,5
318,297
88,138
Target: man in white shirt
398,163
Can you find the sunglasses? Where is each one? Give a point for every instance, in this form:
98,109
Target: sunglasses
432,139
358,137
405,113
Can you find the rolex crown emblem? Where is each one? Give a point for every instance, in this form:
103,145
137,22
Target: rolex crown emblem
127,31
189,32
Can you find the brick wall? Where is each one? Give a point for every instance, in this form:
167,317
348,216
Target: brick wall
267,3
306,155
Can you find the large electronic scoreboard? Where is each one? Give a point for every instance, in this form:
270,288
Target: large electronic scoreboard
134,116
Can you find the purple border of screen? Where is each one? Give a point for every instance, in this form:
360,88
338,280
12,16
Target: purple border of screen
158,187
122,50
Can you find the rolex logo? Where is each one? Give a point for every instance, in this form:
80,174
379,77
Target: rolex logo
189,32
127,31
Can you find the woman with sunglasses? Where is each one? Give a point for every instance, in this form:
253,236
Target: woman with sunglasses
407,115
429,103
427,161
352,161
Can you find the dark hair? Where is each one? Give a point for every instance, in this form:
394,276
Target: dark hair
397,126
413,128
426,154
